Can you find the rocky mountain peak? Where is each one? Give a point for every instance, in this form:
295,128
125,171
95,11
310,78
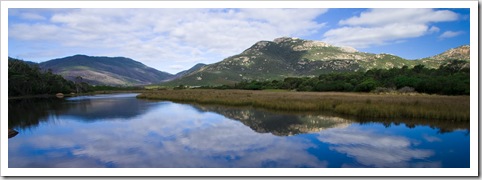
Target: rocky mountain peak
261,44
304,45
460,53
285,39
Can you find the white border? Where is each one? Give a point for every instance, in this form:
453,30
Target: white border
473,171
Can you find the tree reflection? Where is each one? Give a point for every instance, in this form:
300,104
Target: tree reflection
29,112
443,126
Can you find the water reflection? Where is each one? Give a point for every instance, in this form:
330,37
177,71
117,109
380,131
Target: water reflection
28,113
93,132
442,126
372,149
25,113
106,107
278,123
291,123
168,136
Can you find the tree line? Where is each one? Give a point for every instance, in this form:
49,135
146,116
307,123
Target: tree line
451,78
29,79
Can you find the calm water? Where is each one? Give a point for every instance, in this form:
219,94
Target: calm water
122,131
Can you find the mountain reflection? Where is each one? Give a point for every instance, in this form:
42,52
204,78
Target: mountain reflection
26,113
292,123
278,123
106,109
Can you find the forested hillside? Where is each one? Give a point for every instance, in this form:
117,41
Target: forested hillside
29,79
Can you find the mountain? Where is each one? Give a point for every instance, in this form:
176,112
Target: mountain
189,71
293,57
115,71
460,53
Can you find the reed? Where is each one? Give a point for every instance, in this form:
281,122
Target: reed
453,108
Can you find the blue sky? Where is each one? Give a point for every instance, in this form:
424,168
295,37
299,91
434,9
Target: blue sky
173,40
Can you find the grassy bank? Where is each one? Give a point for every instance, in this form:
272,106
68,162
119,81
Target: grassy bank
454,108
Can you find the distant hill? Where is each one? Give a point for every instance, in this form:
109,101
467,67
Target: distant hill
293,57
189,71
115,71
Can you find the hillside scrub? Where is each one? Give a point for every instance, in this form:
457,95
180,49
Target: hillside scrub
452,78
454,108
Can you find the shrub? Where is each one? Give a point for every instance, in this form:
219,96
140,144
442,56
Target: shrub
383,90
406,89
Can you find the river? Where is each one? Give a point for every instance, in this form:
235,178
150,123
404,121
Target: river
121,131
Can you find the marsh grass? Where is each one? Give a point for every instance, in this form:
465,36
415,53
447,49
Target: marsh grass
453,108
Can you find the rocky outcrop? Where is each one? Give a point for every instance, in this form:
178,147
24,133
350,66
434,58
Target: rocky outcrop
12,133
458,53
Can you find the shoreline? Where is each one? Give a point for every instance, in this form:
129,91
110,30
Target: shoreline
71,95
366,105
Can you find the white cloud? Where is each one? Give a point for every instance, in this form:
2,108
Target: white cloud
362,37
434,29
159,37
32,16
381,17
450,34
381,26
41,32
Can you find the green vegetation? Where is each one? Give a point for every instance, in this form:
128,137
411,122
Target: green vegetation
454,108
451,78
28,79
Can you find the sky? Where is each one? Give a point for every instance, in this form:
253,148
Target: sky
172,40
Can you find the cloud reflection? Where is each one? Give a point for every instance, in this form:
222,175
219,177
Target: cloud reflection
165,134
373,149
169,135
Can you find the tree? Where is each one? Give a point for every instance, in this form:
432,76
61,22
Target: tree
366,86
29,79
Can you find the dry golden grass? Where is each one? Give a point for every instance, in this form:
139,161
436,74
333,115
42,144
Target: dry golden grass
454,108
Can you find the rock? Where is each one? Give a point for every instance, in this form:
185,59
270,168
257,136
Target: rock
348,49
12,133
59,95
